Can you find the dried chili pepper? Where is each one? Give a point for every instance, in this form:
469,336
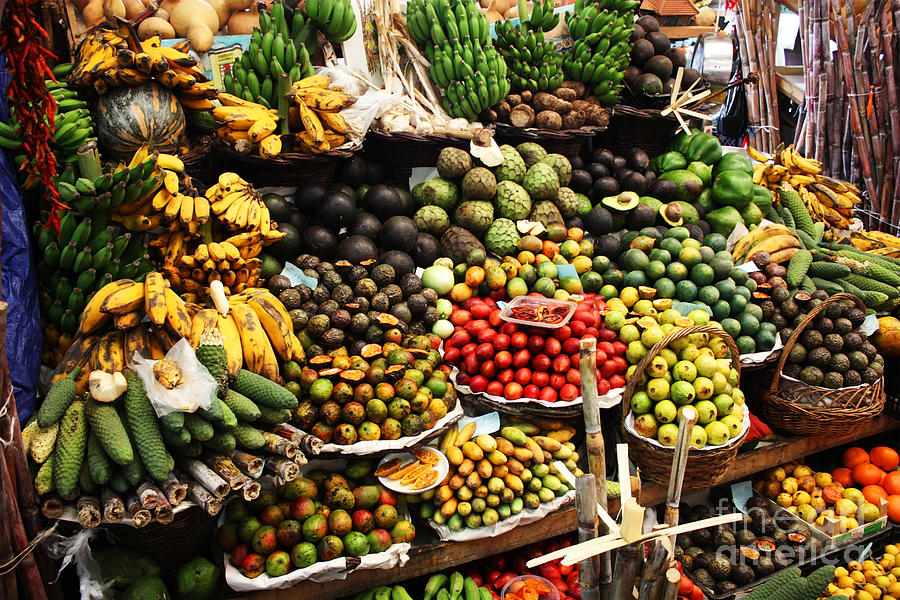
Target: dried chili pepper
23,42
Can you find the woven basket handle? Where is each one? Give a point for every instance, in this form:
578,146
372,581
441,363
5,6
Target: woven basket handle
785,352
676,335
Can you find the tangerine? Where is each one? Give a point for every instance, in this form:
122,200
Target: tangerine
884,457
843,475
894,508
891,483
855,456
874,494
867,474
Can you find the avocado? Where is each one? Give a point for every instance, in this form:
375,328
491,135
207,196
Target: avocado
638,159
288,247
641,216
399,233
308,197
632,72
605,186
597,170
622,202
663,189
351,171
648,84
279,208
401,261
317,240
365,223
385,202
599,221
671,214
677,56
356,249
427,250
336,210
641,52
659,65
634,182
580,181
661,42
648,23
689,77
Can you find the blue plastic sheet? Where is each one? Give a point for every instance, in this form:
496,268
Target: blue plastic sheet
19,282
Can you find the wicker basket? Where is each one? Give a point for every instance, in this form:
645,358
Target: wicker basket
637,128
567,142
705,467
856,406
197,161
401,152
287,169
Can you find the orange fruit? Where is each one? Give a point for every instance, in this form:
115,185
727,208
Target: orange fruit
894,508
855,456
874,493
843,476
549,249
885,458
867,474
891,483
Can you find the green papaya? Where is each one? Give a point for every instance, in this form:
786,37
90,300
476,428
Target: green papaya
723,220
701,170
733,188
705,148
733,161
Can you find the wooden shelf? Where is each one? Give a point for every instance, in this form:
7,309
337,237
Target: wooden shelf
684,32
438,556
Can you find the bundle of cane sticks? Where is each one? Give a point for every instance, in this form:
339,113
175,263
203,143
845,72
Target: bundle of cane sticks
756,27
851,117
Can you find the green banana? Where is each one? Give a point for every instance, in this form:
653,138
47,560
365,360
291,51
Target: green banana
435,583
457,581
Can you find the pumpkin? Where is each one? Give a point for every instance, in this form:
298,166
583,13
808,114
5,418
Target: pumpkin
130,117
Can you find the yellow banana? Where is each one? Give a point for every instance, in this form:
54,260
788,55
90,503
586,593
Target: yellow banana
155,297
124,299
173,208
311,123
137,339
201,209
263,127
258,353
204,319
276,326
231,339
322,99
757,155
320,81
109,355
177,317
187,209
270,146
783,255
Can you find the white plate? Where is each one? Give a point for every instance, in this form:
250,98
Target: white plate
443,467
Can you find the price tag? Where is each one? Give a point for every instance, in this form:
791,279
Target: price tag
485,424
298,277
566,271
420,175
741,492
870,325
748,267
685,308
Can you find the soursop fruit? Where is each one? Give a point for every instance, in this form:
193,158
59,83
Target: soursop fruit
432,219
531,152
541,182
456,243
474,215
512,201
545,213
479,184
561,165
436,192
567,202
502,237
453,163
513,167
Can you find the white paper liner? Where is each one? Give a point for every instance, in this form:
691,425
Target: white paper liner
374,446
745,427
395,556
608,400
757,358
523,518
789,385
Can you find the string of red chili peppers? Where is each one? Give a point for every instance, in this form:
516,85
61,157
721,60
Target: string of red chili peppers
23,42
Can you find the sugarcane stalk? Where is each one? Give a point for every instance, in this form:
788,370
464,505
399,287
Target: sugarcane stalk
887,46
205,477
88,509
822,85
174,490
140,516
586,511
282,468
113,507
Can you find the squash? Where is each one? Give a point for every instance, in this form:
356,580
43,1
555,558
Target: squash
244,22
129,117
201,37
155,26
92,15
192,12
222,12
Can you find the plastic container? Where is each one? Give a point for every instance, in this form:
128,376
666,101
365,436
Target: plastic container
513,585
538,303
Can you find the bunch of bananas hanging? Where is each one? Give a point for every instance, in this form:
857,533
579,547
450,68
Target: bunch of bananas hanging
105,59
602,49
465,64
533,63
272,52
334,18
316,109
72,124
828,200
248,125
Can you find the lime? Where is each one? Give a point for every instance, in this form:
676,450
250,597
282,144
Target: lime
708,295
609,291
742,290
665,288
716,241
707,253
661,255
516,287
601,264
545,286
726,288
676,271
738,304
547,269
749,324
740,276
655,269
686,290
678,233
731,326
670,245
756,311
636,278
720,309
635,259
690,256
691,243
702,274
722,268
591,282
765,340
745,344
723,254
641,403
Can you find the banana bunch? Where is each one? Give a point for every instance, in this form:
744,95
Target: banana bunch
318,114
193,273
601,52
248,125
828,200
239,207
272,52
455,38
334,18
105,59
533,63
72,124
186,211
780,241
876,242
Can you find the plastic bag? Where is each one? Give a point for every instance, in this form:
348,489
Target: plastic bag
19,285
77,549
196,392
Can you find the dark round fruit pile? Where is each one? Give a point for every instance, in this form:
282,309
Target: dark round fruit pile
832,351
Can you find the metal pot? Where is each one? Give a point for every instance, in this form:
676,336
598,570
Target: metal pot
713,57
